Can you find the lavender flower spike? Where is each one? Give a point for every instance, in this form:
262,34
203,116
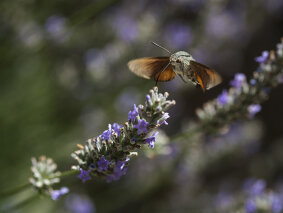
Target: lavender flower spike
108,156
244,97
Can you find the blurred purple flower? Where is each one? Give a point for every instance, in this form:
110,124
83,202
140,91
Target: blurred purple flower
223,98
276,203
261,59
254,109
254,187
106,135
178,35
56,27
116,127
118,171
56,194
250,206
141,126
280,79
253,82
223,200
126,99
151,140
126,27
79,204
219,25
84,176
238,80
103,164
133,114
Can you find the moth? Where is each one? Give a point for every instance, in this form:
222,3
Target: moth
181,63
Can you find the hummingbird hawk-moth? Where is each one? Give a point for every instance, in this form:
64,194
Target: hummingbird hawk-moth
181,63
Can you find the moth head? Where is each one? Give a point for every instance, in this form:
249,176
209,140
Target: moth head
178,58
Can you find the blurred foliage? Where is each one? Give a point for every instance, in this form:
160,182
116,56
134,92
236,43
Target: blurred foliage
64,78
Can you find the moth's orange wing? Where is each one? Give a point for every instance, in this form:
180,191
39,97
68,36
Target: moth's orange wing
165,75
206,77
148,67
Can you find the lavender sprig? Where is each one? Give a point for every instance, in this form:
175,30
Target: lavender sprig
107,155
243,99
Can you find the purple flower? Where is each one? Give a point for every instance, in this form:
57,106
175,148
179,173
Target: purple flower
163,119
56,27
238,80
79,204
118,171
151,140
253,82
253,109
250,206
280,79
84,176
56,194
126,28
103,164
141,126
116,127
276,204
178,35
255,187
148,99
106,135
133,114
223,98
261,59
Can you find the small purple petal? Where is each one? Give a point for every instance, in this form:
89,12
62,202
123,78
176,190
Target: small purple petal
151,140
103,164
56,194
141,126
223,98
133,114
238,80
116,127
261,59
254,109
84,176
106,135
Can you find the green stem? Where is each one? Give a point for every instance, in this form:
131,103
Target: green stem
25,186
19,204
68,173
15,190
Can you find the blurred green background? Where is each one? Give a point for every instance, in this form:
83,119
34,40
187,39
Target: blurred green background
64,77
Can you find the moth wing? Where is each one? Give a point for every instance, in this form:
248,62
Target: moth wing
207,78
165,75
148,67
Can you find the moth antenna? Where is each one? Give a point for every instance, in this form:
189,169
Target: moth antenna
160,47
